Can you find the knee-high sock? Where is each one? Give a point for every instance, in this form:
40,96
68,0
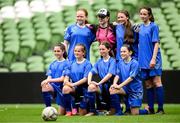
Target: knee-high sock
150,98
47,98
126,103
92,100
73,103
160,97
67,101
115,103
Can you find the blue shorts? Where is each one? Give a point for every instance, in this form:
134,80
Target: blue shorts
146,74
59,95
134,98
133,102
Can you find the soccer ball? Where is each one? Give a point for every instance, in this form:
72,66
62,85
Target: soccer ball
49,114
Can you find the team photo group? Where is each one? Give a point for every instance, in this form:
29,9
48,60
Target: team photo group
130,58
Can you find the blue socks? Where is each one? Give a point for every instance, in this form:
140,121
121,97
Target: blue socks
150,98
160,97
115,103
67,101
47,98
127,104
92,101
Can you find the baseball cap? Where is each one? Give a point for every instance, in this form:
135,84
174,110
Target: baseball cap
102,13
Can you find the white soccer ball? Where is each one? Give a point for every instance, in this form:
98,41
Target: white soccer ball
49,114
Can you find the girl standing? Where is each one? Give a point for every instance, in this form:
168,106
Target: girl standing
125,34
78,33
150,59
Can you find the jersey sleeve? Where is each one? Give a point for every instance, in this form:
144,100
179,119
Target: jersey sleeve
87,69
92,36
49,71
67,35
67,70
112,67
94,70
155,33
66,67
134,69
117,69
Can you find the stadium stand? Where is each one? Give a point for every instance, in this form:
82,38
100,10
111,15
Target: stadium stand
29,29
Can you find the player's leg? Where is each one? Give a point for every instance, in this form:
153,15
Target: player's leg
91,95
67,99
159,93
59,98
150,95
145,75
115,101
46,93
126,102
61,110
84,105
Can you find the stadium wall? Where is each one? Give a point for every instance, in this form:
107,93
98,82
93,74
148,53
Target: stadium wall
25,87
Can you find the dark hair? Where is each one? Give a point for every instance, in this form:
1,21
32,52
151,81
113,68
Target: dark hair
128,34
83,48
108,46
149,13
62,47
86,13
128,46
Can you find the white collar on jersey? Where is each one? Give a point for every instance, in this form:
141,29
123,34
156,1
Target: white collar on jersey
106,60
80,62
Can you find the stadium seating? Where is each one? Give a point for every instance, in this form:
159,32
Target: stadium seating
48,58
18,67
29,29
35,64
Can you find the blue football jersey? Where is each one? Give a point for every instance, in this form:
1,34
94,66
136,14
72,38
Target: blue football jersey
130,69
77,71
148,36
102,68
74,35
57,68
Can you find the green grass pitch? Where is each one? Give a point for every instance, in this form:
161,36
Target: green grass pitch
31,113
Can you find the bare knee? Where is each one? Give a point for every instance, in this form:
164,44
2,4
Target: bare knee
112,91
157,81
66,89
149,84
46,87
134,111
92,88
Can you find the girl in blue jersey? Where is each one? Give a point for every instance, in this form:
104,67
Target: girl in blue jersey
150,58
55,79
105,68
75,81
130,84
78,33
125,34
